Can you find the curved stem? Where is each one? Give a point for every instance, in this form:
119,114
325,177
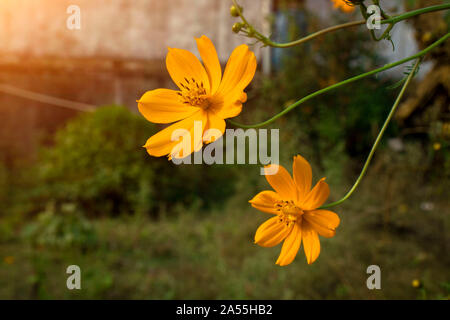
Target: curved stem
378,139
390,20
340,84
269,42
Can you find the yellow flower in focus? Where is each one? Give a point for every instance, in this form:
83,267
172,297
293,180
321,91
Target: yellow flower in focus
341,4
204,95
416,283
296,217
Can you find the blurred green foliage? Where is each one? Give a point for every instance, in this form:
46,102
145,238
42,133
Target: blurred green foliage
62,227
98,162
351,114
195,256
3,185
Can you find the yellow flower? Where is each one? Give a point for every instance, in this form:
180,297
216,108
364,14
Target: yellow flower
204,95
341,4
297,218
416,283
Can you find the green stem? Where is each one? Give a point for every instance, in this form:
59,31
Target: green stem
270,43
378,139
410,14
391,21
340,84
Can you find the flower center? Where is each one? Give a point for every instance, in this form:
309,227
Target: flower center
194,93
288,212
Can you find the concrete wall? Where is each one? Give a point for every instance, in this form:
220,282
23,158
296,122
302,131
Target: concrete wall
119,28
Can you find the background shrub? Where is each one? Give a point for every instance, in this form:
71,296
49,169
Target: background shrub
98,163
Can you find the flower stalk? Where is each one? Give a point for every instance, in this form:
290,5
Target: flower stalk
340,84
250,30
379,137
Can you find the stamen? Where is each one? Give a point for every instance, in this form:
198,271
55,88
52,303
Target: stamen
288,212
193,93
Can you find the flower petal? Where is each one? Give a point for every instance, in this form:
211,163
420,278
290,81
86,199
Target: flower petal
230,110
290,246
239,71
243,98
271,232
211,61
324,222
281,181
183,65
214,126
161,143
311,243
302,176
265,201
164,106
317,196
229,107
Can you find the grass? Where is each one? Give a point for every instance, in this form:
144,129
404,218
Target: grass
211,255
198,255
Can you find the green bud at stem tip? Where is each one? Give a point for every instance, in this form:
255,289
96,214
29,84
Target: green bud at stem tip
235,11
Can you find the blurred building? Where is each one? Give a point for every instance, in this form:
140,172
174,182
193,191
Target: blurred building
116,55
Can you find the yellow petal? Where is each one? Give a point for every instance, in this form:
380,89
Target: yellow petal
164,106
265,201
290,246
211,61
311,243
183,66
302,176
281,182
230,110
239,71
229,107
317,196
214,126
161,143
243,98
271,232
324,222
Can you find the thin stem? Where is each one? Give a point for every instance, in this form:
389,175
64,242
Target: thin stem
378,139
390,20
270,43
410,14
340,84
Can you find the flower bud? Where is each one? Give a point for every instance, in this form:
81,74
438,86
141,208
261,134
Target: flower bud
237,27
234,11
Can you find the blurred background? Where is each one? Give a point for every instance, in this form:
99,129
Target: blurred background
76,186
